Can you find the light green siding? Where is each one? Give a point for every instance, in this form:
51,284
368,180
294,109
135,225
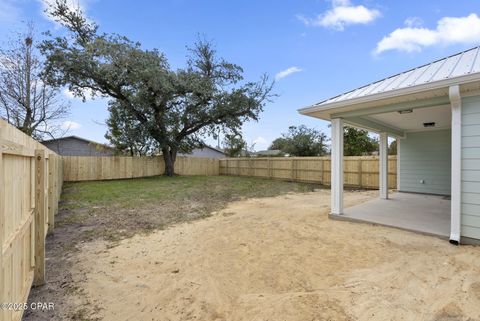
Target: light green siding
470,219
426,156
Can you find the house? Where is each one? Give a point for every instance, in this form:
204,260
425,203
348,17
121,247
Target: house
77,146
206,151
434,112
269,153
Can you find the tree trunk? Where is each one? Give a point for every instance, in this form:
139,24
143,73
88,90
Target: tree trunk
169,156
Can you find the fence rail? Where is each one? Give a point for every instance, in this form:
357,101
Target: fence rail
359,171
30,186
78,168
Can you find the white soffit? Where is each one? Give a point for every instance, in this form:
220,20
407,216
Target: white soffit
441,116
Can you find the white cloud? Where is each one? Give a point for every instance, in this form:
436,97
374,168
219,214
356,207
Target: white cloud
70,125
5,62
449,31
68,94
259,140
87,93
260,143
342,14
287,72
413,22
72,4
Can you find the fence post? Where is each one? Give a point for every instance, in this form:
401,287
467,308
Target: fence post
40,216
322,170
51,196
293,169
3,298
360,174
270,167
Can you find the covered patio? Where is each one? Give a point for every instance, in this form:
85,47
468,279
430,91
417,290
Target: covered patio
426,214
438,150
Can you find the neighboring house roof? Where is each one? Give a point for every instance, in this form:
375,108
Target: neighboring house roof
268,152
461,68
214,149
78,138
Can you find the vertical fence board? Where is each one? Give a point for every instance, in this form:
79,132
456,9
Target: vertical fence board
40,217
359,171
20,233
80,168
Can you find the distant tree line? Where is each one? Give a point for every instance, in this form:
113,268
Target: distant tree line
304,141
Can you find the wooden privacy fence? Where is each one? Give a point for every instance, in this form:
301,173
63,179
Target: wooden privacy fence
77,168
359,171
31,183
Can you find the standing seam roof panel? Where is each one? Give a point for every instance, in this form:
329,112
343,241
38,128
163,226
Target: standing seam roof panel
447,68
398,81
464,63
431,71
412,80
476,62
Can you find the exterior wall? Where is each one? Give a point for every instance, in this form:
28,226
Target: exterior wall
470,207
205,152
76,147
426,156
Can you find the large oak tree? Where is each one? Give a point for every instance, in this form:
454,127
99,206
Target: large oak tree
175,107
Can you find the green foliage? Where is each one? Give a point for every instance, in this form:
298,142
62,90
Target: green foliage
301,141
234,145
279,144
392,149
175,107
126,133
357,142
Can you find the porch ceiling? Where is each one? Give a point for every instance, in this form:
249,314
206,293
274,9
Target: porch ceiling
440,115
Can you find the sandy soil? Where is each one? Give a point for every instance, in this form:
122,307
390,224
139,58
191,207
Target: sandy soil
281,259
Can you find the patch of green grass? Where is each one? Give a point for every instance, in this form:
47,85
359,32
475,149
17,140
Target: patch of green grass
135,192
113,210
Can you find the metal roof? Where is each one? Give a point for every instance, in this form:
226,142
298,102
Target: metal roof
458,65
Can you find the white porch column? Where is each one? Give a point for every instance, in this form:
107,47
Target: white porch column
398,164
383,168
456,103
337,167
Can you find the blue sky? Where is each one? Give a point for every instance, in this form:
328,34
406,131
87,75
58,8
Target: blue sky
314,48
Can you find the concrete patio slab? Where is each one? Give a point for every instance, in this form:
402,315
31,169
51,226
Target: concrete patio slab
426,214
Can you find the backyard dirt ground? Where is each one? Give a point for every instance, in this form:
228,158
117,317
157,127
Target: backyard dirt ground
281,259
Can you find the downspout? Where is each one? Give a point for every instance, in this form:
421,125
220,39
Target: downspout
456,182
